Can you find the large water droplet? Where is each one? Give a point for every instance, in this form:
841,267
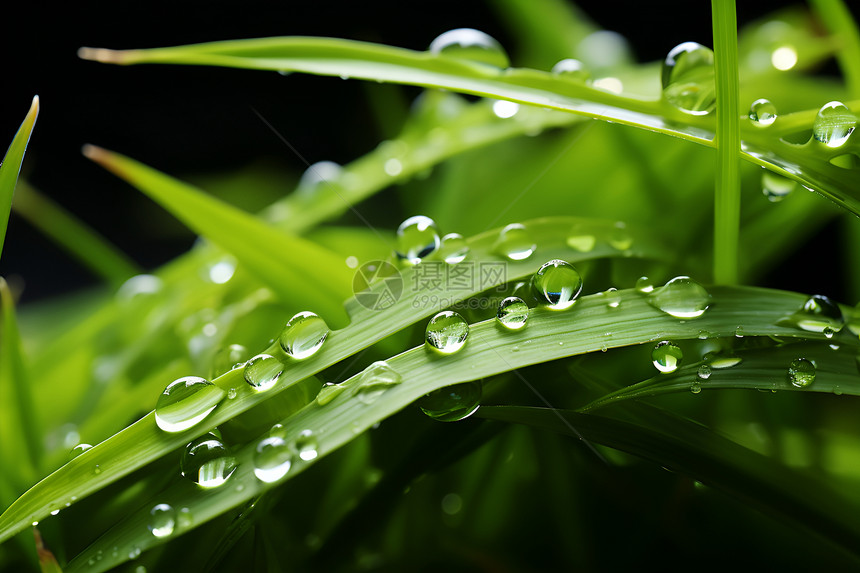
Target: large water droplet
681,297
307,446
453,249
515,243
319,175
762,113
262,372
446,332
417,237
801,372
644,285
185,402
571,69
375,380
228,358
557,284
328,393
207,462
834,124
666,356
272,459
78,450
453,403
472,45
513,312
776,187
162,519
688,78
304,335
819,314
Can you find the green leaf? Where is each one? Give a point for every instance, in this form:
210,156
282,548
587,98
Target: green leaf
704,455
808,164
294,268
11,166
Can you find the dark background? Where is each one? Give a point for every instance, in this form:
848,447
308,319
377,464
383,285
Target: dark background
187,120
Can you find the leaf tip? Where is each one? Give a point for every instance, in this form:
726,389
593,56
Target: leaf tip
102,55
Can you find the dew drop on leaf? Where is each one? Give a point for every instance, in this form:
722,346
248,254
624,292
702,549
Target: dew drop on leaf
681,297
452,403
512,313
417,237
453,249
762,113
515,243
306,445
375,380
834,124
819,314
272,459
262,372
78,450
446,332
303,335
185,402
666,356
162,520
688,78
801,372
571,69
776,187
557,283
472,45
207,462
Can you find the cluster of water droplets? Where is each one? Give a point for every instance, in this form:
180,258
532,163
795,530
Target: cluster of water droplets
688,79
418,237
274,455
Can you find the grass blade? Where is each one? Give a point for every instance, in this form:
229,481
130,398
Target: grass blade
74,236
11,166
294,268
809,164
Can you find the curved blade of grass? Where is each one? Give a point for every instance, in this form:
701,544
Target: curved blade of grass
362,60
74,236
694,450
142,442
292,267
590,325
11,166
763,369
837,17
19,423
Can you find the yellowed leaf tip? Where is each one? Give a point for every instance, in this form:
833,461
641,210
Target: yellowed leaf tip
100,55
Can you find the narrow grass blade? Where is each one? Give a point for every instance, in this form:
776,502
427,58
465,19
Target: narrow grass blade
74,236
764,369
589,327
47,561
809,164
706,456
294,268
837,17
11,166
20,422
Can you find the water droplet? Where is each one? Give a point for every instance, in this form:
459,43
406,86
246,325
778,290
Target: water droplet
317,176
688,78
452,504
613,297
666,356
452,403
644,285
306,445
801,372
207,462
134,552
232,393
610,84
139,286
834,124
97,470
584,243
776,187
446,332
515,243
681,297
571,69
220,272
78,450
272,459
184,519
185,402
303,335
818,314
695,387
228,358
704,372
762,113
719,361
512,313
828,332
453,249
162,519
262,372
504,109
619,238
472,45
557,284
328,393
375,380
55,512
417,237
